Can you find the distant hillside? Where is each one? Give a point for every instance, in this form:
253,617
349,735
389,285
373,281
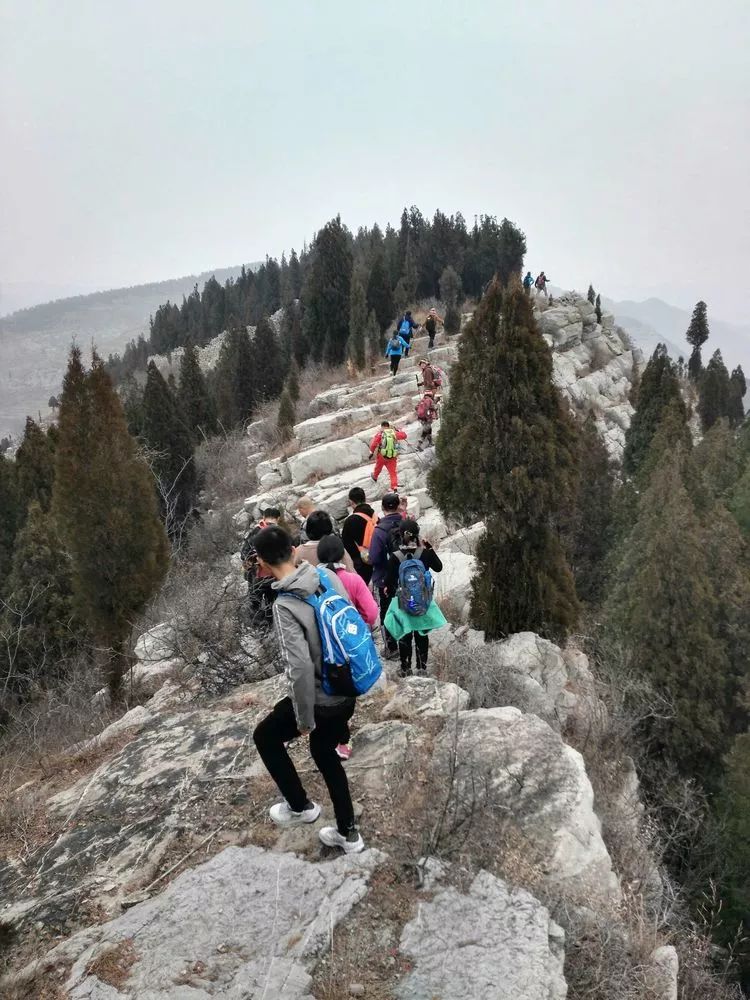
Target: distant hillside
34,342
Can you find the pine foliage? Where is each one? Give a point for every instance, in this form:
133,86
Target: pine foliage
234,380
105,510
356,348
194,400
269,361
287,416
714,394
10,521
327,292
507,454
737,390
697,335
659,386
379,293
451,293
35,466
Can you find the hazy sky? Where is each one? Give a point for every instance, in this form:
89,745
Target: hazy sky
148,139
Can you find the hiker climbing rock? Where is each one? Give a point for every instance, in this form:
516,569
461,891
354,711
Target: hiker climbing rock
528,281
406,328
431,325
412,613
356,532
426,414
312,708
384,541
432,376
385,443
541,284
395,349
317,526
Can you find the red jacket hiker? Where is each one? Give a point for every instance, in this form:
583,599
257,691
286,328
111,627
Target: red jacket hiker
385,442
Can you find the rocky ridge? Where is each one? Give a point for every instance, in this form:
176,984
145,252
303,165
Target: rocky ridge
163,878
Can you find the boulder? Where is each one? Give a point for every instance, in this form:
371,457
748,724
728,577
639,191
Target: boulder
662,973
159,643
330,425
420,697
453,584
530,786
492,941
270,481
242,521
325,459
257,430
381,752
148,677
465,540
275,466
542,668
248,923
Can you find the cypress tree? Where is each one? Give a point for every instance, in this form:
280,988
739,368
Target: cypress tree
507,454
511,248
326,295
665,608
591,295
35,467
167,436
735,841
373,339
737,390
105,511
131,395
269,361
287,416
598,307
697,335
234,379
739,503
39,611
357,324
714,395
658,387
379,294
194,400
292,381
406,289
293,341
10,521
450,293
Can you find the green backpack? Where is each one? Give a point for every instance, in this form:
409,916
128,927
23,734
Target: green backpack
388,445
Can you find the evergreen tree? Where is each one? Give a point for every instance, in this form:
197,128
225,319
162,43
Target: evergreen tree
591,295
295,275
714,394
379,294
269,361
406,289
451,293
293,341
510,251
234,379
507,454
658,387
40,622
35,466
194,401
697,335
373,339
664,606
737,390
131,395
739,503
10,521
591,528
598,307
735,842
168,439
326,295
287,416
292,381
105,511
357,324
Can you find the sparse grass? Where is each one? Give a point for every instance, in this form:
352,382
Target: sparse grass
113,963
222,469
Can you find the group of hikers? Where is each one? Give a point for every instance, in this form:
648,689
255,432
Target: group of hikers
327,595
539,284
399,343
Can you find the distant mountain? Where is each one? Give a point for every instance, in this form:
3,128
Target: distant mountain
654,321
34,342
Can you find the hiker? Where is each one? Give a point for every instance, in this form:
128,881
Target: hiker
386,444
412,613
541,284
406,328
331,555
358,524
432,377
395,348
430,325
317,526
305,507
260,596
308,710
528,281
426,414
381,548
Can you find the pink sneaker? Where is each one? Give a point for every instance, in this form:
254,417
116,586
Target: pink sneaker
344,751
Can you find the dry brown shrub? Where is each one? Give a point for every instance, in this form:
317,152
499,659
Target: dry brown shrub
113,963
223,470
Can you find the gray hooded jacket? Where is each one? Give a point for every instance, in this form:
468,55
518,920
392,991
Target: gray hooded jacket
299,639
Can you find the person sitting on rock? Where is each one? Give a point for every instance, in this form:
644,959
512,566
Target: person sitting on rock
412,613
431,325
308,710
383,542
317,526
385,442
426,414
354,528
395,348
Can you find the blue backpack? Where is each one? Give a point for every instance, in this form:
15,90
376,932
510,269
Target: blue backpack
350,660
405,328
415,584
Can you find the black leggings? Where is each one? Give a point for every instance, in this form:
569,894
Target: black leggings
395,359
422,646
331,728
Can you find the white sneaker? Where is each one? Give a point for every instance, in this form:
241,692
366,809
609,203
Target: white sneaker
282,815
331,837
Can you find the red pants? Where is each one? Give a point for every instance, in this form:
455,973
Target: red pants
390,464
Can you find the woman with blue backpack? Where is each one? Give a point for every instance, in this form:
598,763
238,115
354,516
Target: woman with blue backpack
412,613
395,348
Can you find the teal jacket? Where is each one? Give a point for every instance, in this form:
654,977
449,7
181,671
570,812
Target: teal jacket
398,350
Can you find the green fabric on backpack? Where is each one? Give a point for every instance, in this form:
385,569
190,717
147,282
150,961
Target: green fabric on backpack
399,623
388,444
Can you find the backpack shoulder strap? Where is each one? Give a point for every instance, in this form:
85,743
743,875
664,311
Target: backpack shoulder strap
418,552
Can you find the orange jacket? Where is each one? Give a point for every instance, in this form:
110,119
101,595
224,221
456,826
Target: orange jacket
375,443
